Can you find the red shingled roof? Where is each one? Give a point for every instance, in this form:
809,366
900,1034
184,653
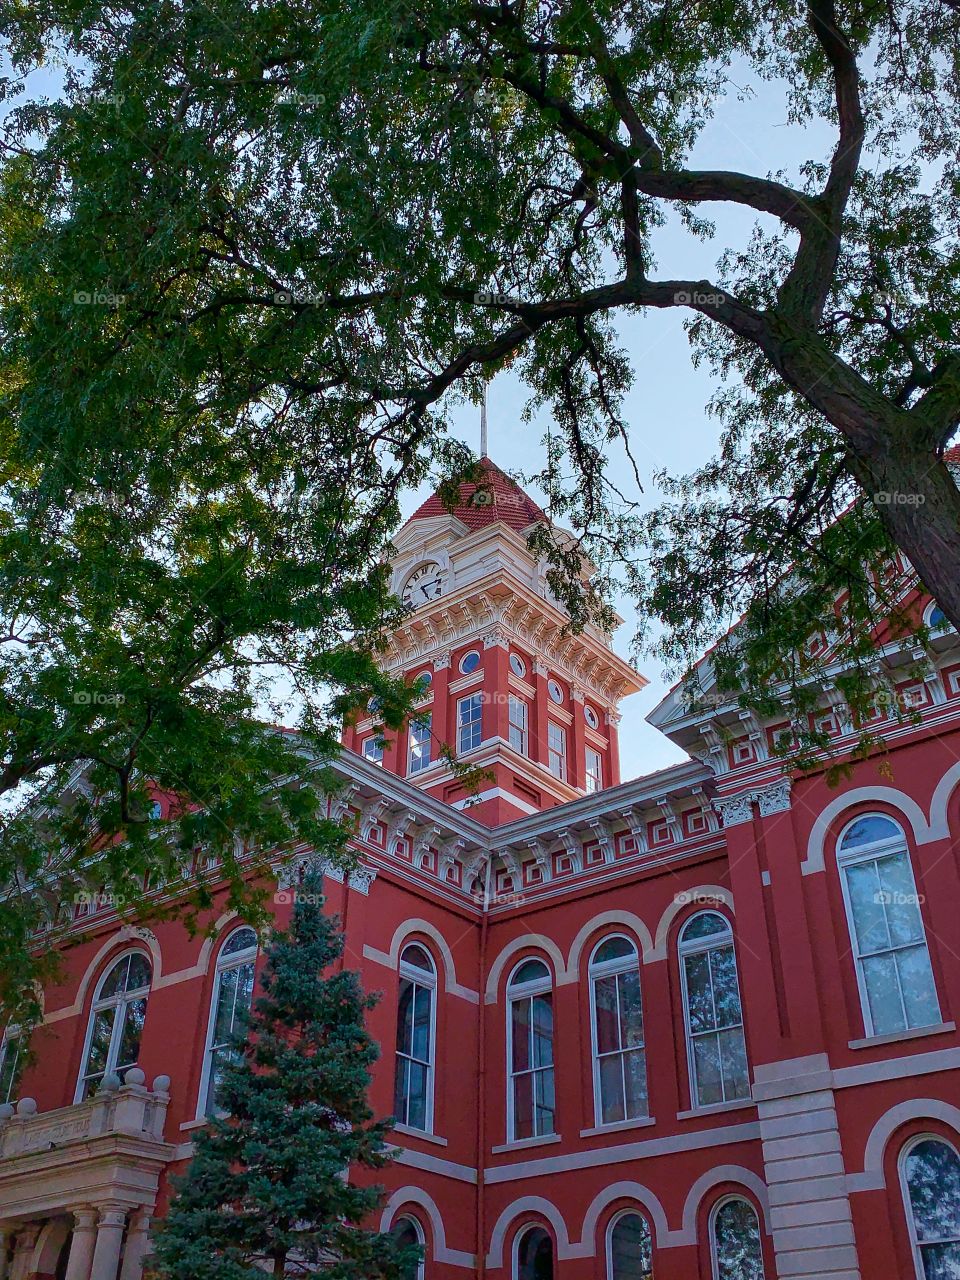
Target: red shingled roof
495,497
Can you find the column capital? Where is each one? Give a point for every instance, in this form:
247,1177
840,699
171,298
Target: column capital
85,1217
112,1214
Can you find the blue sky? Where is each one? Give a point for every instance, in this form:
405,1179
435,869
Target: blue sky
669,428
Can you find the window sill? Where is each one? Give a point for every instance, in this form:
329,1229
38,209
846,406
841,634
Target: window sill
409,1132
194,1124
739,1104
642,1122
521,1144
895,1037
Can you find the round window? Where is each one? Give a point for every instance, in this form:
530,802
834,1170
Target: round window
556,693
517,665
469,662
591,717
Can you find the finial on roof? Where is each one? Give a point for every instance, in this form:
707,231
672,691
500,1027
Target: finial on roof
483,422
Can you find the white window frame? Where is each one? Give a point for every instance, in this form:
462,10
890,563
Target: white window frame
593,777
420,735
518,666
405,1216
871,853
517,992
610,969
224,963
518,717
625,1213
476,701
557,754
413,973
372,750
692,947
116,1030
712,1232
907,1147
463,661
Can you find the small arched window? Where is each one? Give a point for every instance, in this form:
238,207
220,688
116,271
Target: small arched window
534,1255
531,1099
930,1173
629,1248
894,975
116,1022
735,1243
232,994
416,1039
619,1058
716,1046
408,1231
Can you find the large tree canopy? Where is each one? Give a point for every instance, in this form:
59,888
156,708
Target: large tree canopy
250,251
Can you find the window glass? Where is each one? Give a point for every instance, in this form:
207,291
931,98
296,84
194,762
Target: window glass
469,716
737,1250
714,1018
594,770
116,1022
232,997
373,750
413,1079
469,662
556,750
532,1100
894,972
11,1065
408,1232
517,665
631,1249
518,724
535,1255
932,1176
620,1073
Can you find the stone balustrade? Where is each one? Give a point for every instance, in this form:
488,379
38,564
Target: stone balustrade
127,1108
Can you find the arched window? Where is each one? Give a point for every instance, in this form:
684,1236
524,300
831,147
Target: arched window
232,994
735,1241
531,1101
897,990
116,1022
629,1248
416,1036
619,1060
534,1255
930,1173
408,1231
716,1048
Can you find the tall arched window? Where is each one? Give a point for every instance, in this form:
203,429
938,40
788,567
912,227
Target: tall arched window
534,1255
897,990
629,1248
416,1036
232,994
116,1022
735,1242
407,1230
619,1060
716,1048
531,1100
930,1172
11,1064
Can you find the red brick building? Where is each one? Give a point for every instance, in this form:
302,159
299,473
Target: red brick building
699,1025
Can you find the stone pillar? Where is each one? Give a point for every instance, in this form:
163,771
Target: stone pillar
106,1254
82,1244
21,1267
138,1245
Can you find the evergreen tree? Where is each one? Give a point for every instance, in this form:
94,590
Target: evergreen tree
269,1186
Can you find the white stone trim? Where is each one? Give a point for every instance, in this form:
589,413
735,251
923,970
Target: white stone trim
548,1211
391,958
640,1195
923,833
705,896
734,1173
871,1178
536,940
623,920
417,1198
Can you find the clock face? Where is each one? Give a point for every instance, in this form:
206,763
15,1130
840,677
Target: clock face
425,583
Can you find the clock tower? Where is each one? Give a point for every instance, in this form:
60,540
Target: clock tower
506,686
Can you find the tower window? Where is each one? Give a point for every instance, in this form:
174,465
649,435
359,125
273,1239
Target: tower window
469,729
469,662
591,717
420,744
517,665
594,770
554,690
556,750
373,750
518,724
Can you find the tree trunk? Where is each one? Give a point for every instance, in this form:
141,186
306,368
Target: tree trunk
919,504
